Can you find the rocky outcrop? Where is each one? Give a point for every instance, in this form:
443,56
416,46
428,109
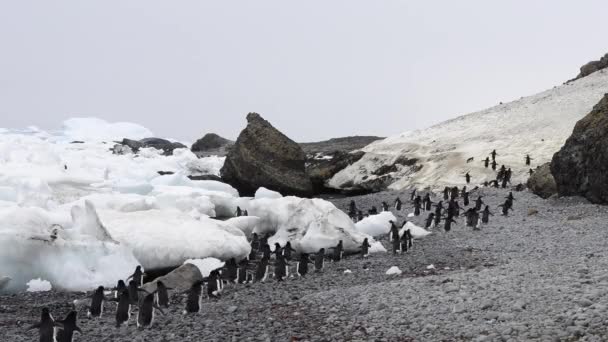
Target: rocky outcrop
541,182
581,166
211,144
135,145
264,157
179,279
345,144
320,170
593,66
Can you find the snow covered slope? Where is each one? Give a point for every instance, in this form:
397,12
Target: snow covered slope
538,125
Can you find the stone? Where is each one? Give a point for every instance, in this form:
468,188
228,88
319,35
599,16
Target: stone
321,170
541,182
179,279
580,167
212,143
264,157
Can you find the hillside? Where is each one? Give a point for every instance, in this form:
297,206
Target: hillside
437,156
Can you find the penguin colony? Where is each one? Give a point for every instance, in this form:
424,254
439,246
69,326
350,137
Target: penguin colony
132,296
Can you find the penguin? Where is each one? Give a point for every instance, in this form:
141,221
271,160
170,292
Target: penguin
486,162
261,270
398,204
287,250
373,211
437,220
162,294
123,310
264,240
133,291
466,199
365,248
412,195
302,265
427,202
242,278
393,232
384,206
266,251
194,298
68,326
429,221
467,177
137,276
97,299
239,212
359,215
530,172
448,223
505,208
439,209
406,241
446,193
528,159
510,196
417,205
494,154
281,269
245,212
232,270
255,246
478,203
145,314
396,244
470,217
278,250
338,252
504,183
454,193
494,165
120,287
352,207
485,217
320,260
46,326
214,286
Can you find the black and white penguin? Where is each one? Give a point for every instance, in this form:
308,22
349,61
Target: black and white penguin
46,326
255,246
427,203
467,177
406,240
417,205
505,208
338,252
281,269
494,165
393,233
465,199
398,204
120,287
68,326
320,260
261,270
528,159
384,206
360,215
162,294
412,195
429,221
194,298
137,276
134,291
448,223
287,251
214,286
446,193
373,211
123,309
231,271
97,299
486,162
485,217
278,250
266,251
494,154
396,245
145,314
365,248
478,203
242,278
302,264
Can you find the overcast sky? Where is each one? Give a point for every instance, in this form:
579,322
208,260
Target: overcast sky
315,69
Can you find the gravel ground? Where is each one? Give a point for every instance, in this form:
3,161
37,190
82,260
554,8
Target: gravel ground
523,277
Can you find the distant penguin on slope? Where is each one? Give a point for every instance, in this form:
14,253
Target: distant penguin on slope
485,217
338,252
365,248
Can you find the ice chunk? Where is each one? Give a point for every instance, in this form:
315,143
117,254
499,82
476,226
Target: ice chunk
94,129
416,231
376,225
38,285
265,193
393,271
247,224
206,265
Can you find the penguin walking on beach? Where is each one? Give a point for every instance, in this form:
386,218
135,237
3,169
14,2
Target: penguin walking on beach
478,203
232,271
494,164
266,251
493,154
320,260
242,278
68,327
446,193
365,248
255,246
465,199
97,299
454,193
302,264
137,276
281,269
485,216
287,251
194,298
448,223
428,204
528,159
214,284
145,314
123,309
352,207
505,208
134,291
417,205
406,240
486,162
398,204
393,233
467,177
162,294
396,244
413,194
439,209
384,206
120,287
261,270
278,250
46,326
338,252
471,217
429,221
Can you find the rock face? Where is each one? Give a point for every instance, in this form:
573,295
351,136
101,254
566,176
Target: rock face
345,144
160,144
210,144
320,170
581,166
541,182
179,279
264,157
593,66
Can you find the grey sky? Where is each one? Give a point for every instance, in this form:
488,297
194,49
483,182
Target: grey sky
315,69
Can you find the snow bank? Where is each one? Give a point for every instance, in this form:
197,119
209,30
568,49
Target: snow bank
38,285
538,125
206,265
309,224
393,271
376,225
265,193
94,129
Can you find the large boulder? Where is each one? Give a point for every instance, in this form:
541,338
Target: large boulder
211,143
179,279
160,144
581,166
593,66
264,157
541,182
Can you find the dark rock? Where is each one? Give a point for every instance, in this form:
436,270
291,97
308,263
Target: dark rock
212,144
160,144
162,173
264,157
321,171
77,142
206,177
593,66
581,166
541,182
345,144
